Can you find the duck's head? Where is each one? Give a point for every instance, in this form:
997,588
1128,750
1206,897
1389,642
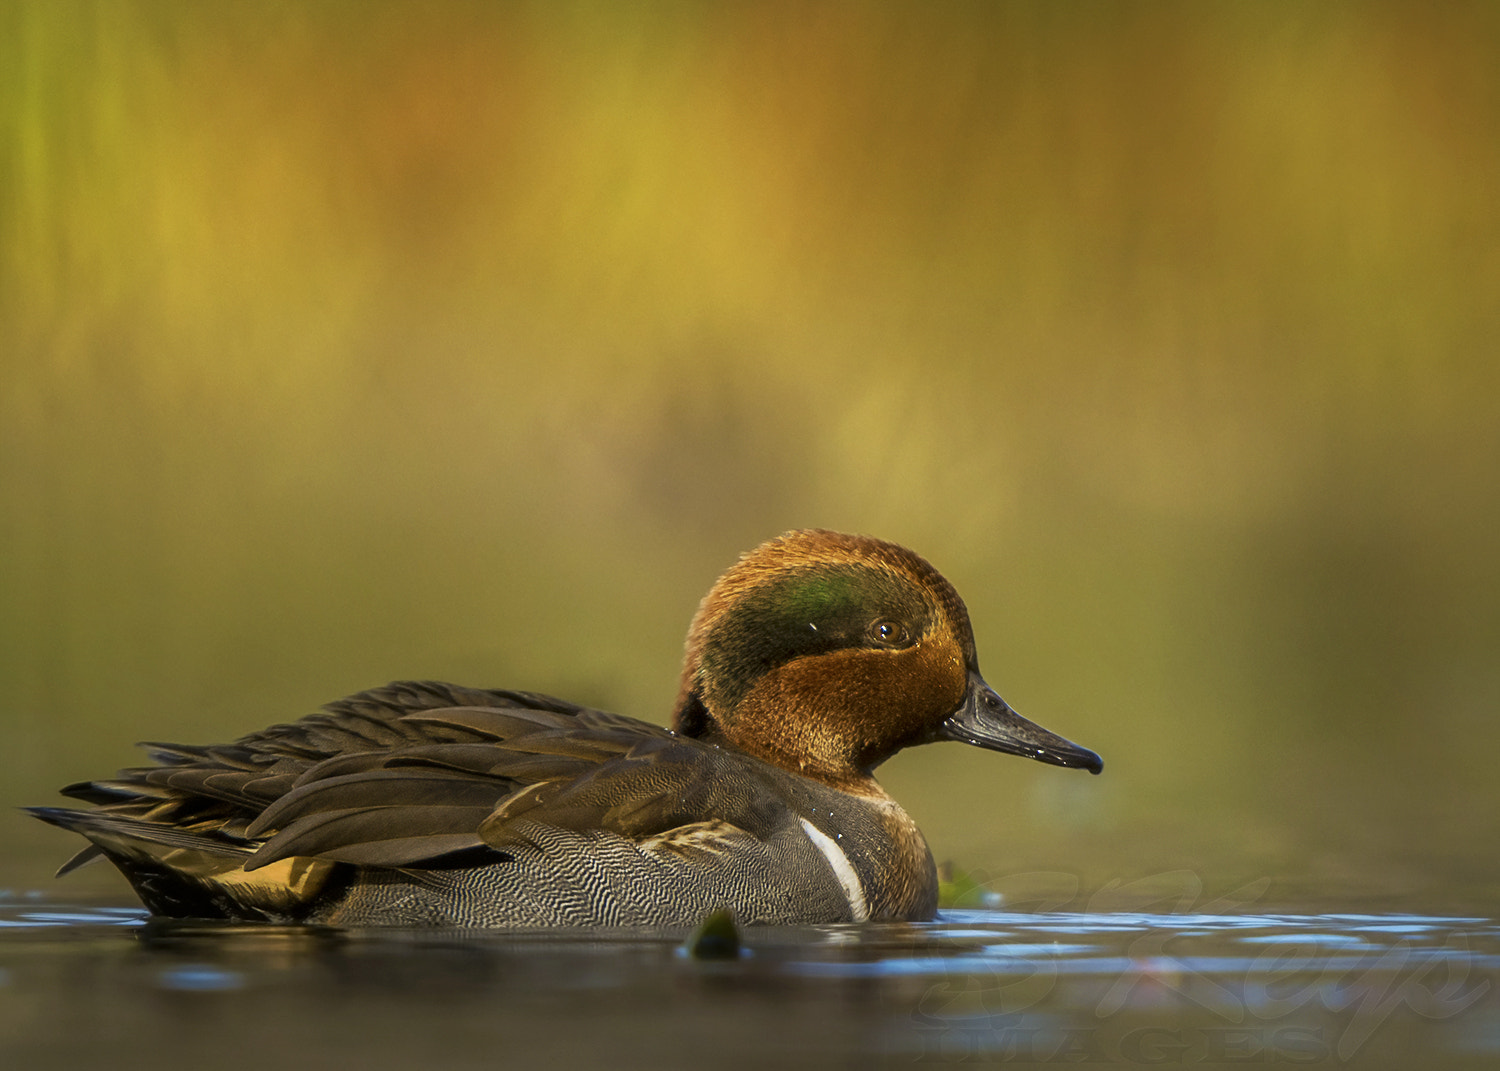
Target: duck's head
825,654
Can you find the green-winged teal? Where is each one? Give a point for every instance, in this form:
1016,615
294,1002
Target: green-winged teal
814,659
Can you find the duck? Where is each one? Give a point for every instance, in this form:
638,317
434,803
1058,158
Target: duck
812,660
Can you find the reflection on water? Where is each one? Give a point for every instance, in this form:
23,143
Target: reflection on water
108,984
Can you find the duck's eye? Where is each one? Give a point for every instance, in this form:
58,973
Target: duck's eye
890,634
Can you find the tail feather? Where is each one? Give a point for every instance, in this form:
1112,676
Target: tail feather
122,833
82,857
190,874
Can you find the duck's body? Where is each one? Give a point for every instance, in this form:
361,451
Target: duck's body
813,659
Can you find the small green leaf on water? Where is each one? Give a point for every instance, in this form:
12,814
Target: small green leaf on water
717,937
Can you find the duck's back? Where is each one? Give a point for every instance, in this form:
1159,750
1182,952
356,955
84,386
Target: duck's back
427,803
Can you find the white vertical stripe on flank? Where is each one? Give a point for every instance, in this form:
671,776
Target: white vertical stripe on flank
854,892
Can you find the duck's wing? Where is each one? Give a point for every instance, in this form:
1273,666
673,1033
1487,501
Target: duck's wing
198,815
226,786
493,777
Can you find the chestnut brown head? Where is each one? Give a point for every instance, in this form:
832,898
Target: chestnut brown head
826,654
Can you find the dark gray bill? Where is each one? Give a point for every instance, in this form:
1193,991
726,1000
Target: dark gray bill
985,720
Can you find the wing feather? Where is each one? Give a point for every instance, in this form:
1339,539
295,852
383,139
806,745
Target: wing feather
404,775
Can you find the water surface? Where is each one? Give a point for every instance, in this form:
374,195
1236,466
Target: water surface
107,985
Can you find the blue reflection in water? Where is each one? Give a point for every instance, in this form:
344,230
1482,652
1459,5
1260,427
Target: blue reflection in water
93,916
200,978
1303,939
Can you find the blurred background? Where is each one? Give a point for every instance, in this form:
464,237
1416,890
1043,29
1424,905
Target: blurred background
344,342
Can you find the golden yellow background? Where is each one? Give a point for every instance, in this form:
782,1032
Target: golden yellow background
344,342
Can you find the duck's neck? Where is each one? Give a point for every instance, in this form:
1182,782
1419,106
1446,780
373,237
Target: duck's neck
787,743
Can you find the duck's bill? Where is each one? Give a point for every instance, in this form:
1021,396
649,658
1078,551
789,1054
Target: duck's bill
985,720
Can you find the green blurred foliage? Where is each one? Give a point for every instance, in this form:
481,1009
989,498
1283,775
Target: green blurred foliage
350,341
